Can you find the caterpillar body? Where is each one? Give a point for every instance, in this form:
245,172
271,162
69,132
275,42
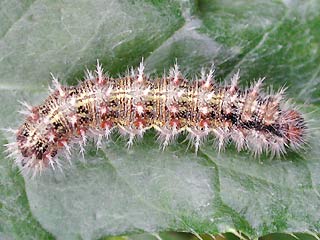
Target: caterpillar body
171,105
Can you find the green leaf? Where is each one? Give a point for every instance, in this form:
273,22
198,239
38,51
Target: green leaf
116,191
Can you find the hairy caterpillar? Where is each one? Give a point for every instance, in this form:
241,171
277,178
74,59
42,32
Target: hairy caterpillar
171,105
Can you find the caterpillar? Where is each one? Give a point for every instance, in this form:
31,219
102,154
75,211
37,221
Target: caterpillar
134,103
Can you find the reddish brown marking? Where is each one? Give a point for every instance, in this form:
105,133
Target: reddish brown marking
61,142
175,123
295,126
106,124
81,130
204,123
101,82
139,122
294,133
